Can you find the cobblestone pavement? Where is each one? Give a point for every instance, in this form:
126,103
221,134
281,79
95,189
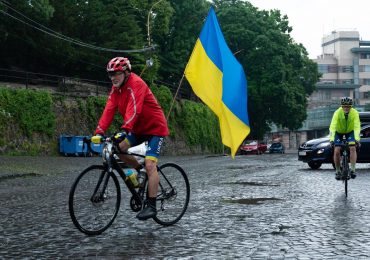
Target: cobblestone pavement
253,207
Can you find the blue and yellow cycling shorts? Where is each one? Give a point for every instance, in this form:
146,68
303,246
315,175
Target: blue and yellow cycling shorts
154,144
350,137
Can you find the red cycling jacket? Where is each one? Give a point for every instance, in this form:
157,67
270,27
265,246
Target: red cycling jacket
139,108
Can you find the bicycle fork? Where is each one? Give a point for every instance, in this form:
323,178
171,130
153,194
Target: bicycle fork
345,166
99,196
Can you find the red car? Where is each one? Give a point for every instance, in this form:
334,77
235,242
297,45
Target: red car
253,147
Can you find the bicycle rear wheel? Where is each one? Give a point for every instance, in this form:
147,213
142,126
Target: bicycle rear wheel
94,200
173,194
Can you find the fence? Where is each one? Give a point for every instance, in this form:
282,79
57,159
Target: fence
60,84
70,86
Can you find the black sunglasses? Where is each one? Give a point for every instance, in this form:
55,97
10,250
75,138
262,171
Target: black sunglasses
114,73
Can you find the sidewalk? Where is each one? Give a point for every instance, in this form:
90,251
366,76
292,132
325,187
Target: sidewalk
290,151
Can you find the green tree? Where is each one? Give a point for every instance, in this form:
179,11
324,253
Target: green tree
19,42
184,29
280,75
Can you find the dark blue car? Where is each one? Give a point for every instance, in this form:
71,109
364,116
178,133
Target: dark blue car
318,151
277,148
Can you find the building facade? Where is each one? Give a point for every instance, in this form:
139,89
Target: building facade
345,68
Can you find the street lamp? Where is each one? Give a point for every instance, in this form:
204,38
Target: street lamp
148,25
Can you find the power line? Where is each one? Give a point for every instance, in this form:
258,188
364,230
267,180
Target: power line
44,47
60,36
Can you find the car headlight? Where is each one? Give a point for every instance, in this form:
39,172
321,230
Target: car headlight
322,145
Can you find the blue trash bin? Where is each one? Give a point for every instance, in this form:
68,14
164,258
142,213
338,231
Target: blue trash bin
72,145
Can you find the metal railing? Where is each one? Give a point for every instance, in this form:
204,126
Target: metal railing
57,83
71,86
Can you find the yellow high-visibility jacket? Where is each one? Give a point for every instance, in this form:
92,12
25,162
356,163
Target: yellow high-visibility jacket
343,126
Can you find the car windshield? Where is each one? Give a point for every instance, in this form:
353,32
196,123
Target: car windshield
250,142
276,145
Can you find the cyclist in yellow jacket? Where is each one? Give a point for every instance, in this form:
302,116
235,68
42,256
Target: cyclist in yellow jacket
345,121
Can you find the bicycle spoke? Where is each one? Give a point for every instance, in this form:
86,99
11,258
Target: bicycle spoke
94,200
173,194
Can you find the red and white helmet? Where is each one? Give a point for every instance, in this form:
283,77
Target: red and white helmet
118,64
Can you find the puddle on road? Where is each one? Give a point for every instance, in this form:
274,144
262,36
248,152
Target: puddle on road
249,201
21,175
252,183
244,167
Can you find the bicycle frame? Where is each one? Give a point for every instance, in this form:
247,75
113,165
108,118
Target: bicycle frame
112,162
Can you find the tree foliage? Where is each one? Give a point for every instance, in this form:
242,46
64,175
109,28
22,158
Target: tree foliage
280,75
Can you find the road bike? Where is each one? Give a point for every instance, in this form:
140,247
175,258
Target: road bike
345,171
95,196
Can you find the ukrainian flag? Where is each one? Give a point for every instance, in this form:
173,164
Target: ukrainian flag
218,79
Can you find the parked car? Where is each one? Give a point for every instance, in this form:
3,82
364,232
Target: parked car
252,147
364,118
318,151
277,148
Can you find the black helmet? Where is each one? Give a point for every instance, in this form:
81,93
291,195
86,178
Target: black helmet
346,101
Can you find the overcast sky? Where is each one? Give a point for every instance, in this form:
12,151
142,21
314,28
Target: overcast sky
312,19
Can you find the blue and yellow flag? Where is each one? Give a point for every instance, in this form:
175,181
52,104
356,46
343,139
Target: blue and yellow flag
218,79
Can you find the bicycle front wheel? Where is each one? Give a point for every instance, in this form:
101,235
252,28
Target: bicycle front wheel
94,200
173,194
345,171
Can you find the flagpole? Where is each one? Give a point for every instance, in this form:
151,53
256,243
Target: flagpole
174,98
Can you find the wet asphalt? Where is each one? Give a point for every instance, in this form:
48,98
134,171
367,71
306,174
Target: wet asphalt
253,207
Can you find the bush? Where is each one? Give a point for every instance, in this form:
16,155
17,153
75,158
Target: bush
28,120
32,110
200,126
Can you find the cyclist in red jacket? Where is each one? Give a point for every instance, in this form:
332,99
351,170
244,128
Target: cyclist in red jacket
143,120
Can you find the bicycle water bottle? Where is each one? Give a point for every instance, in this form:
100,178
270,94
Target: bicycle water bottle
132,175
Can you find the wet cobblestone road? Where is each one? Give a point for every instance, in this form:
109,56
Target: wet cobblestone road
253,207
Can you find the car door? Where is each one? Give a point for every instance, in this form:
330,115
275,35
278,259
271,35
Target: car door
364,154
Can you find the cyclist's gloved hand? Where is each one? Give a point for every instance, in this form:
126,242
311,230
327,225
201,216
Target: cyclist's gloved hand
358,144
332,144
97,139
119,137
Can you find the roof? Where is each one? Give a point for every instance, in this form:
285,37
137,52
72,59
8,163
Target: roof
360,50
364,117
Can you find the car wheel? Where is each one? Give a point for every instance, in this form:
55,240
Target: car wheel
314,165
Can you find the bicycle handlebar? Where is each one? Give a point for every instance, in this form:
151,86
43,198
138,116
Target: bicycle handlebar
98,139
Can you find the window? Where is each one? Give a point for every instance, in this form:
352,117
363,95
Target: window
364,68
365,56
367,94
365,81
345,69
365,133
327,68
346,81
